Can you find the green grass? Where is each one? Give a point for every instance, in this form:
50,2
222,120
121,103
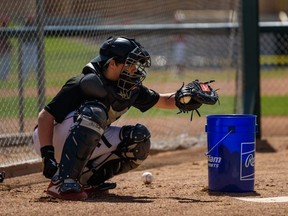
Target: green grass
65,57
165,76
274,105
74,54
225,107
270,106
12,110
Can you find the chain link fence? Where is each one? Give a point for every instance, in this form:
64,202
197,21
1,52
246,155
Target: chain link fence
43,43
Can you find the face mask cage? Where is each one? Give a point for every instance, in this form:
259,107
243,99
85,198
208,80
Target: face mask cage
140,59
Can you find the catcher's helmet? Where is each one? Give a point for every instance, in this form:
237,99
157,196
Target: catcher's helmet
128,52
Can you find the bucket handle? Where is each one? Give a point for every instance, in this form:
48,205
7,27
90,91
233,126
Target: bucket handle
231,131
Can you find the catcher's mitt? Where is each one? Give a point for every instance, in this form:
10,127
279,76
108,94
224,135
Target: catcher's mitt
190,97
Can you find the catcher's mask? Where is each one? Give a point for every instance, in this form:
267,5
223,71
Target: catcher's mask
129,52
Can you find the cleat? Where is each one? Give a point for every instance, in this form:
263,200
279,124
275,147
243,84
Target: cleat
66,191
2,176
93,192
106,186
103,188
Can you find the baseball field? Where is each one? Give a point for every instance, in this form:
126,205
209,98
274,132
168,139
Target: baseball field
217,42
180,187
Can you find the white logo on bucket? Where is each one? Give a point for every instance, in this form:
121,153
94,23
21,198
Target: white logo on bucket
247,162
250,161
214,161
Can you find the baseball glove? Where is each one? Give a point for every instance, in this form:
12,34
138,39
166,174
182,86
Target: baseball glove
191,96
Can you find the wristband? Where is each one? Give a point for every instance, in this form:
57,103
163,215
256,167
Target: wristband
47,151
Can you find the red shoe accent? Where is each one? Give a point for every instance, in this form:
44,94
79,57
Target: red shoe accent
54,191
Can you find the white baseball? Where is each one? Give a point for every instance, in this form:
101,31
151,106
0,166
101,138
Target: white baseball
185,99
147,177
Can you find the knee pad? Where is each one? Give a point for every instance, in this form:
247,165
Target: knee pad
83,138
95,114
135,142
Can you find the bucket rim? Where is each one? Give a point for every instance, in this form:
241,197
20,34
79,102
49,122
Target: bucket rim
231,116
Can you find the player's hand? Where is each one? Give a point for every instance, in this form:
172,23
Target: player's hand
49,163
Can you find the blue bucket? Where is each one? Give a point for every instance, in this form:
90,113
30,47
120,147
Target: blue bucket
231,152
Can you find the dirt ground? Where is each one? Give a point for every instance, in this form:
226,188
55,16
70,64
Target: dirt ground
180,187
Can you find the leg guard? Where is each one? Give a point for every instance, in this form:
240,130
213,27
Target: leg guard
84,136
135,142
130,153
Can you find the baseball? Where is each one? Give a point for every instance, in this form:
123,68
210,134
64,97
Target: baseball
185,99
147,177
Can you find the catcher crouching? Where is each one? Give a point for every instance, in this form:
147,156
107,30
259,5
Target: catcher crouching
80,149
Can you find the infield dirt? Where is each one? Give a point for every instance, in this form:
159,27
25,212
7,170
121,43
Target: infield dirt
180,187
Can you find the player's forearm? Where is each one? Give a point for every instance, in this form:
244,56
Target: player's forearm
166,101
45,128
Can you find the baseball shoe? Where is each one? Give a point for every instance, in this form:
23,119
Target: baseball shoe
2,176
103,188
67,191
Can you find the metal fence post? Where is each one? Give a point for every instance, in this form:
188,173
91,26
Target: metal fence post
20,87
41,56
251,74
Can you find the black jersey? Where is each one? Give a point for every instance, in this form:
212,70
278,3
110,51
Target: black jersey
71,96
